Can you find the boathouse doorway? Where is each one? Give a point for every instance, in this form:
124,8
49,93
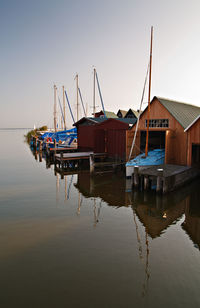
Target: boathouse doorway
196,155
156,140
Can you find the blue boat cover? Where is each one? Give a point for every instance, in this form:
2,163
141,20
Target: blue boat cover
155,157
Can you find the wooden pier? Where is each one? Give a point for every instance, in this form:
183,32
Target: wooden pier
64,159
163,178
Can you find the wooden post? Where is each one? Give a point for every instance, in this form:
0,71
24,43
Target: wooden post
165,185
54,142
40,156
159,180
40,145
91,163
146,182
61,159
136,176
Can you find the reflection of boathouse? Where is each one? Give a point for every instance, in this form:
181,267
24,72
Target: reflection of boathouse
107,186
192,217
160,214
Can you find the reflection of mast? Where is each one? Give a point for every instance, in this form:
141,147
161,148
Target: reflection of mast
69,187
147,275
79,203
65,187
57,187
96,214
138,237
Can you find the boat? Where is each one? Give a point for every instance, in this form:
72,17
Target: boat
149,158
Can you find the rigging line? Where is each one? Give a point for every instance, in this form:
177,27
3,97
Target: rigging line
82,101
100,95
69,106
133,143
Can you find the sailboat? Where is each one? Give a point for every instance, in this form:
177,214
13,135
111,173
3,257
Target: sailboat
149,158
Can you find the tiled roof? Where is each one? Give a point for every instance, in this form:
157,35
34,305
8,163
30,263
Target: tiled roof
110,114
184,113
191,124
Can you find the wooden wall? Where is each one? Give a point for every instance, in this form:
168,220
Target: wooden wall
85,136
193,135
176,139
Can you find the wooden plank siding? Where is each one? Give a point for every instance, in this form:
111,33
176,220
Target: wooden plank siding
175,138
85,138
110,135
193,135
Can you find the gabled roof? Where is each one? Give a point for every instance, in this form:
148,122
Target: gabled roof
123,112
134,112
192,123
90,119
110,114
184,113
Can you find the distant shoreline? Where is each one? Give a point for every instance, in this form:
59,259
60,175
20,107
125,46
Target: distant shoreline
10,128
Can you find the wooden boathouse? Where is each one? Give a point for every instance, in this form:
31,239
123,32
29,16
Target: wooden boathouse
103,135
193,143
173,126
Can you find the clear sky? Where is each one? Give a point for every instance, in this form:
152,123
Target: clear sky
43,42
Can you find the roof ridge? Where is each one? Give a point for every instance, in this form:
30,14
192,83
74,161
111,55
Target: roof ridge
175,101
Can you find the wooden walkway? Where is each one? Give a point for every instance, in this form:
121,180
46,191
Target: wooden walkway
63,159
164,178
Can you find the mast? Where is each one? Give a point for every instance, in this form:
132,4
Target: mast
77,95
148,112
55,120
94,108
64,111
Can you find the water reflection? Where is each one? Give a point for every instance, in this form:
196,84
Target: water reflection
156,212
192,216
66,232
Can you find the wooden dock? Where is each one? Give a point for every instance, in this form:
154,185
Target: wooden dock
163,178
64,159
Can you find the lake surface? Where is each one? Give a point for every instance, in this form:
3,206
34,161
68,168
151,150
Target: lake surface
88,241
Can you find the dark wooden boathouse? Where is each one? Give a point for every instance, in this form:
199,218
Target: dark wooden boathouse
103,135
168,121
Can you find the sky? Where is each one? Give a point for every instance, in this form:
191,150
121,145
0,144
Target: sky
46,42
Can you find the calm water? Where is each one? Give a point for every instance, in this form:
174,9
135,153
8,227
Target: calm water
88,242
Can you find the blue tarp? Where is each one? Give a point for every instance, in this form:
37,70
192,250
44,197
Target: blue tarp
155,157
60,135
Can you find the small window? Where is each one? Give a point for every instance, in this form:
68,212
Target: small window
154,123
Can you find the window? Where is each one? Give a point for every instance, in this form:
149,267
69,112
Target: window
157,123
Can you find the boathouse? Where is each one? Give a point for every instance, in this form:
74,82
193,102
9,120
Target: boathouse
103,135
85,132
108,114
121,113
168,122
131,114
193,143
